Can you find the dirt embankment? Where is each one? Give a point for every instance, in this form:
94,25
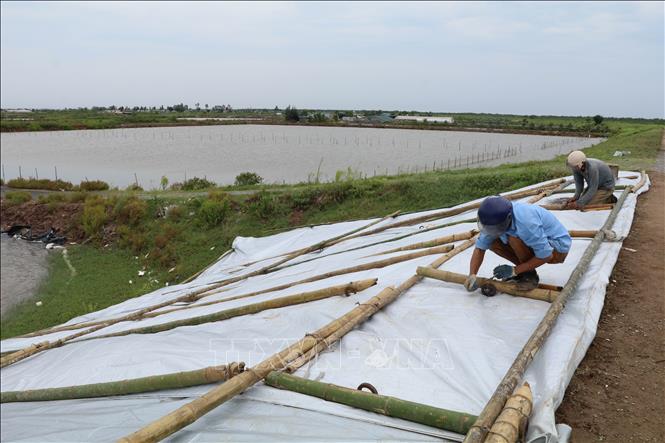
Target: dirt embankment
65,218
617,393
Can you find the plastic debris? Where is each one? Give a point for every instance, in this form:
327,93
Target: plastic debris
141,273
39,303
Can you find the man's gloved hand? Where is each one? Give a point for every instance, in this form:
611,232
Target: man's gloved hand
470,284
504,272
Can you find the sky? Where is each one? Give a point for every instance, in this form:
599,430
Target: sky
543,58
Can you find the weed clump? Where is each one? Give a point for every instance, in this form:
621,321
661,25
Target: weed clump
17,197
215,209
94,216
94,185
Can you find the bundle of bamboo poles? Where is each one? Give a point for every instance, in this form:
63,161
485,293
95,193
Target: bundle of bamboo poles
515,373
381,404
511,423
190,412
508,288
185,379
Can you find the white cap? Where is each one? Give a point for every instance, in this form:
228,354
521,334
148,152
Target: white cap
576,158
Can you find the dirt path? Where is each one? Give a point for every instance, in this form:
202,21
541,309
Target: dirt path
618,392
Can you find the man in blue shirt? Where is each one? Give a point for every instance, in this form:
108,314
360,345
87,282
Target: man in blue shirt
526,235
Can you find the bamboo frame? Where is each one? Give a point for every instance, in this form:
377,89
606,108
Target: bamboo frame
547,295
381,404
516,371
190,412
211,374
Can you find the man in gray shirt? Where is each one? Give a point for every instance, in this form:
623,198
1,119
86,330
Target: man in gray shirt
599,179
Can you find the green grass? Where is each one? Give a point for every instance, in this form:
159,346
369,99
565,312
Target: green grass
189,238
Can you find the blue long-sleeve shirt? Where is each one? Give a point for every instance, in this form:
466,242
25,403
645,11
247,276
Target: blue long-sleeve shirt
537,227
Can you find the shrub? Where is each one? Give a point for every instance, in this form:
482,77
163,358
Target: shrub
94,216
248,178
94,185
130,210
213,212
197,184
18,197
164,182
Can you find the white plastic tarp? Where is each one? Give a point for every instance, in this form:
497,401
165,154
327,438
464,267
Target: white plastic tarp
437,344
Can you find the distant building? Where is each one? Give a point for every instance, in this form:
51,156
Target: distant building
426,118
380,118
17,111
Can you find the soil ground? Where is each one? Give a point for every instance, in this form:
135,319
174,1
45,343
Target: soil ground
618,392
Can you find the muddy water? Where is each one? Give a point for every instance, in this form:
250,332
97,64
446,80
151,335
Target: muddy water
280,154
23,268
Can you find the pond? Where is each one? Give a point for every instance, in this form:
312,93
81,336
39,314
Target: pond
280,154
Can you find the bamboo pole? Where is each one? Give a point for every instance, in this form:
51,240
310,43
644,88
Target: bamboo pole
511,423
508,288
389,240
336,335
381,404
561,207
290,300
538,337
446,239
568,191
548,192
211,374
582,234
192,411
201,271
639,184
455,211
330,241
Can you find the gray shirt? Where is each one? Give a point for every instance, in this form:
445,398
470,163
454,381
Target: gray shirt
597,175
